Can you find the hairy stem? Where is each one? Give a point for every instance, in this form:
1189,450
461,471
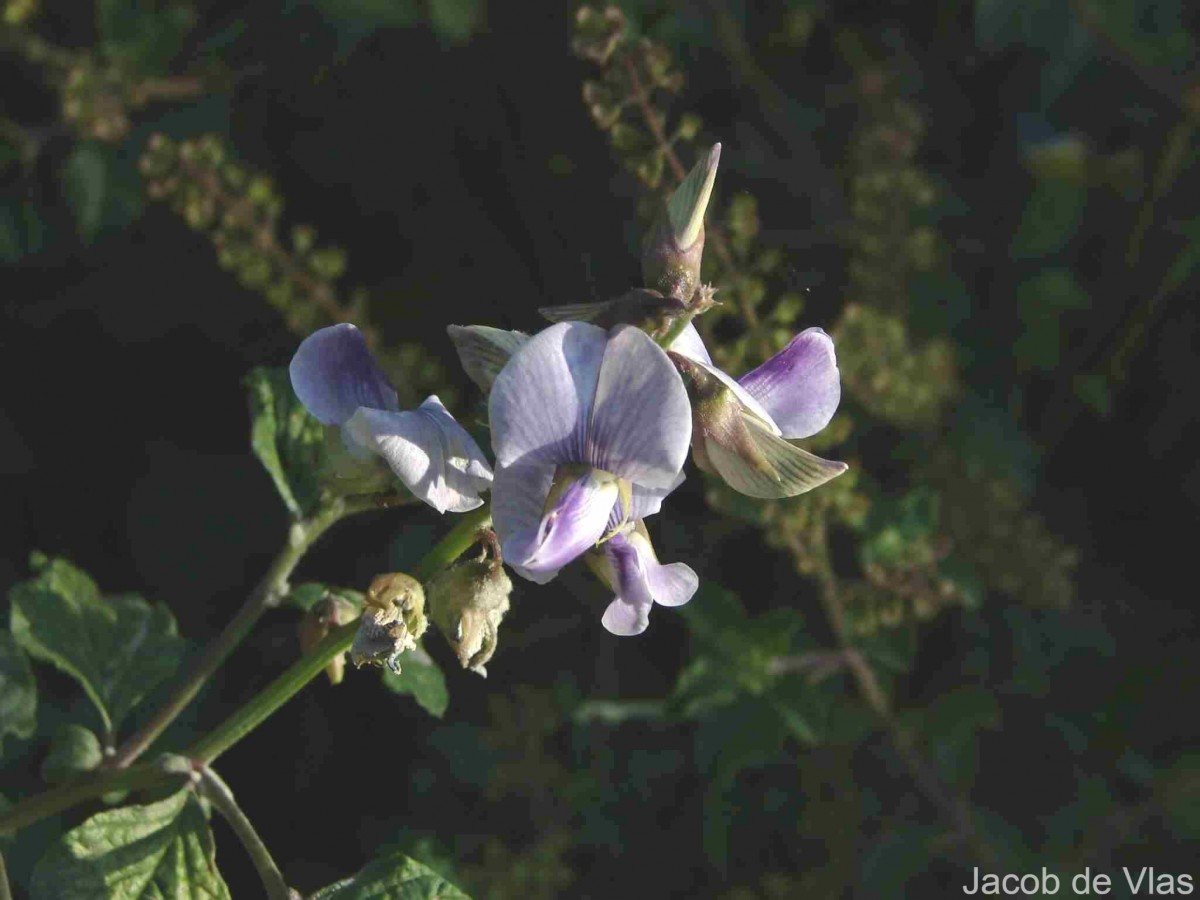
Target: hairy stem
270,591
219,794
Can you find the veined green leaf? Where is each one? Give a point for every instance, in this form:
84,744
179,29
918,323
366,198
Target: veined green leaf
119,648
285,438
420,677
18,691
393,876
160,850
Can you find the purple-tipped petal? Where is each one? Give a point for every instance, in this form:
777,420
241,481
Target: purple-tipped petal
689,344
641,420
518,499
629,612
541,400
799,386
640,581
333,374
429,451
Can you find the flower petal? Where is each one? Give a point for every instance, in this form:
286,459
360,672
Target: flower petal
670,585
573,524
642,421
484,351
429,451
799,386
790,469
691,345
644,502
541,400
629,612
333,374
518,501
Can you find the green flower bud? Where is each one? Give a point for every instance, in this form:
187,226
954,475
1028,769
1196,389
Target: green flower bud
673,249
392,620
467,604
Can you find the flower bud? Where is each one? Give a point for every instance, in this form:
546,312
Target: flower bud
673,249
392,620
467,604
326,614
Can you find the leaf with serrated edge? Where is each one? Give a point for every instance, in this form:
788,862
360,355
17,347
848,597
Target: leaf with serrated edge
796,470
119,649
163,849
392,877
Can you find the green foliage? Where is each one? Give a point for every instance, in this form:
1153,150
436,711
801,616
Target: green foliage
145,36
951,726
99,195
286,439
73,751
118,648
1042,300
1051,218
159,850
421,678
18,691
23,231
306,596
392,876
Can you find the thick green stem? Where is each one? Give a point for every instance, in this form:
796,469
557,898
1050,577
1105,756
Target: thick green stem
80,790
217,791
270,591
283,688
5,890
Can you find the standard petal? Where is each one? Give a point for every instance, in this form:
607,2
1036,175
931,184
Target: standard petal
541,400
788,471
484,351
415,445
519,494
799,386
691,345
333,374
578,518
642,421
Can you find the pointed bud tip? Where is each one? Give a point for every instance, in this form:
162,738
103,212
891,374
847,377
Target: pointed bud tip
687,205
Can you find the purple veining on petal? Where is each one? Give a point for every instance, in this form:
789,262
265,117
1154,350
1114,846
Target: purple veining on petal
574,523
641,422
629,612
541,400
333,374
644,502
519,494
799,386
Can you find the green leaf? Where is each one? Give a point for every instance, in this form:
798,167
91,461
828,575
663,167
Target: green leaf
85,183
160,850
393,876
18,691
952,724
420,677
147,36
22,230
120,648
286,439
1051,218
1041,302
73,750
454,20
306,596
1188,260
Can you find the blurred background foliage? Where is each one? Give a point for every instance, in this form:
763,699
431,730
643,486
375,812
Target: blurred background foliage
974,648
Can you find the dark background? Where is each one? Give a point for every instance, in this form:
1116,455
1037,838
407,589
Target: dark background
469,185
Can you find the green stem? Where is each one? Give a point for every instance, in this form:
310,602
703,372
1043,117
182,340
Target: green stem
79,790
283,688
242,722
270,591
5,890
217,791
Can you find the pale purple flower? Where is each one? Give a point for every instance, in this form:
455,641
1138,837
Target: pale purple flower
590,429
628,564
743,427
339,383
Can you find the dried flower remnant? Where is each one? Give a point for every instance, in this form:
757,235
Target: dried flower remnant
393,619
